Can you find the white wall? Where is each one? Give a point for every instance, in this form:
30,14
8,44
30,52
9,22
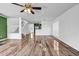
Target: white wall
55,30
12,25
31,28
46,28
25,29
69,27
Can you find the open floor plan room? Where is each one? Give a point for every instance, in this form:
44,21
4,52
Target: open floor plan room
39,29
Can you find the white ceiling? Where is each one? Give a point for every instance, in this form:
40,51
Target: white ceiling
49,11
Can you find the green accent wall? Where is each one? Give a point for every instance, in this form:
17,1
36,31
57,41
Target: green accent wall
3,28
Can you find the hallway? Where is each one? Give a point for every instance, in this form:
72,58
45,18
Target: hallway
43,46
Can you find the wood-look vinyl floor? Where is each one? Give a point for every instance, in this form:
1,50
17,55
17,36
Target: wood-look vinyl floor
43,46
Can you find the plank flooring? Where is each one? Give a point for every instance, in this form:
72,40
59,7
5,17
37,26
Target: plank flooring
43,46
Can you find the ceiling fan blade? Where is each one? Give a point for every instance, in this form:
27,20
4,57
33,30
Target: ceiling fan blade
18,4
37,8
22,10
32,12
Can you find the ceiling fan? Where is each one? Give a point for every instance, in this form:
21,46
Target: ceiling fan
28,8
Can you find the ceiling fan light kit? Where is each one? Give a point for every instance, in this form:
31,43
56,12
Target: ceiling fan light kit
28,11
